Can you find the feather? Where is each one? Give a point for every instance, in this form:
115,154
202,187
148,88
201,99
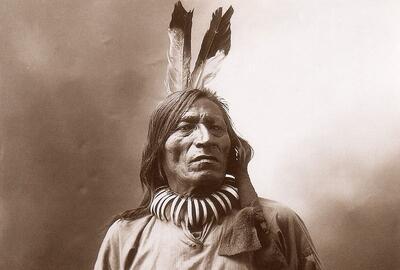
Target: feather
207,71
215,46
179,53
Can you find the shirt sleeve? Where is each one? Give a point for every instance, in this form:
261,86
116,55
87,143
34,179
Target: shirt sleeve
109,254
295,242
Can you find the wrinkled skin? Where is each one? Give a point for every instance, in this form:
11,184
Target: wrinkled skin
196,153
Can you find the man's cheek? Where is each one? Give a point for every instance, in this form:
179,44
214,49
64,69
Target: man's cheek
226,147
175,150
176,155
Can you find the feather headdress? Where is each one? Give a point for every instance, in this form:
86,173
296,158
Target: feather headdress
214,48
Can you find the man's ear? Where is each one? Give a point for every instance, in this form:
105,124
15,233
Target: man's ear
233,161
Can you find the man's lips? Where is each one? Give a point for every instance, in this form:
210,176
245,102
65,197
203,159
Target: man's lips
204,158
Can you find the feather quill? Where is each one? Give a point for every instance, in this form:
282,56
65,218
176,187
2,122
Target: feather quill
179,53
215,46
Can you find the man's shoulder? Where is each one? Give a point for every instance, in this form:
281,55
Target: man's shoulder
276,211
285,222
124,227
129,224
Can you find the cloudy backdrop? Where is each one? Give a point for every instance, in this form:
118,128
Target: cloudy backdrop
313,85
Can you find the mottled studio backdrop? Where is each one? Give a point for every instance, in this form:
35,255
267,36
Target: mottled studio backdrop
314,85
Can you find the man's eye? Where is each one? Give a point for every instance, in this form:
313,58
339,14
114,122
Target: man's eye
186,127
216,127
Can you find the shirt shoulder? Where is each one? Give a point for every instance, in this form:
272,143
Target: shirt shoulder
121,239
278,214
294,239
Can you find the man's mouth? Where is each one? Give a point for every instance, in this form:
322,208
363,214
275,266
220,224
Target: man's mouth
205,158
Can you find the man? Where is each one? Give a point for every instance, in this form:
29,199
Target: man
191,147
200,210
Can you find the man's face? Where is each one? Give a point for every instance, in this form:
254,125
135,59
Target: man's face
196,153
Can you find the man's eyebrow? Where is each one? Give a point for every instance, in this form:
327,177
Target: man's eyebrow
195,119
189,118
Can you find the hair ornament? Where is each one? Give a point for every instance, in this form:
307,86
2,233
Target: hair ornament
214,48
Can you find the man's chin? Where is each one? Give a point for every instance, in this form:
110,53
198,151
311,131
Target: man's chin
208,182
209,177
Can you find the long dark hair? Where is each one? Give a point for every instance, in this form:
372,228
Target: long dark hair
163,122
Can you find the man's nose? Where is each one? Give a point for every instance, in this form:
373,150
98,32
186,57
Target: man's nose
203,136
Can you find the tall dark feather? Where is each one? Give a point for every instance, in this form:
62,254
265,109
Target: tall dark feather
218,36
179,53
181,19
215,46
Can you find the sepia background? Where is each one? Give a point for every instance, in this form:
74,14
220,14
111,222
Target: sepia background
313,85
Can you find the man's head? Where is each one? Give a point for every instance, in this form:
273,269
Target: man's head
191,143
195,154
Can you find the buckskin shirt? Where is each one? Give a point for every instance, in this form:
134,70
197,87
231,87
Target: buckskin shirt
234,243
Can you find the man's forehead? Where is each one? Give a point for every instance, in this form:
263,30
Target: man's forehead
190,117
203,108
